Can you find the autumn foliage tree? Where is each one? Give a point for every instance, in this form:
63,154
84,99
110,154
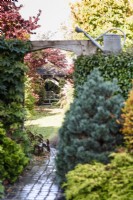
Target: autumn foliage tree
95,17
12,24
39,58
127,117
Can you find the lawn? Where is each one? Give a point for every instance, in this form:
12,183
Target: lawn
46,121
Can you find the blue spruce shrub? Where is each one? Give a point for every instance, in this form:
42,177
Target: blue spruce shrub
90,131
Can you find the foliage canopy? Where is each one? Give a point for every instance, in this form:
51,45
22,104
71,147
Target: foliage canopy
95,17
13,24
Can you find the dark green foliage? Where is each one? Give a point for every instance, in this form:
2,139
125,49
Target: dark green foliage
1,190
102,182
12,158
12,76
111,66
14,46
90,131
21,137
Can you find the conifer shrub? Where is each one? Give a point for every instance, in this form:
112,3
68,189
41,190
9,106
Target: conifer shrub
127,121
102,182
90,130
12,158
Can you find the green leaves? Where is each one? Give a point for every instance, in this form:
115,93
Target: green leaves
111,66
1,190
12,158
101,182
14,46
12,77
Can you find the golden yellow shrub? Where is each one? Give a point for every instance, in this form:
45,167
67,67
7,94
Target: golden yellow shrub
127,116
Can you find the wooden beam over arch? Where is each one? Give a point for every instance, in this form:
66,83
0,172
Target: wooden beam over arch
79,47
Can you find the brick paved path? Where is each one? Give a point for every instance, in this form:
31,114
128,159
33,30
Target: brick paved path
38,184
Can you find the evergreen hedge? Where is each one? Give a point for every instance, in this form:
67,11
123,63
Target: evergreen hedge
111,66
90,130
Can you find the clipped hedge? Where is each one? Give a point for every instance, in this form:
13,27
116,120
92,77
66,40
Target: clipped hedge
102,182
111,66
12,158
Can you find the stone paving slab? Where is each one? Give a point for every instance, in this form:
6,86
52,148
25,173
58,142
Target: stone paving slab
38,184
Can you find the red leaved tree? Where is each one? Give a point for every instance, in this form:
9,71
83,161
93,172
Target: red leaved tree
39,58
12,24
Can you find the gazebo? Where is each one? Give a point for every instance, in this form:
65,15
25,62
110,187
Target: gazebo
52,76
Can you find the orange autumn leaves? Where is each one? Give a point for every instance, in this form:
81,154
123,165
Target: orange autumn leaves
127,121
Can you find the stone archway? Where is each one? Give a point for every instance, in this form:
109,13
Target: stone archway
79,47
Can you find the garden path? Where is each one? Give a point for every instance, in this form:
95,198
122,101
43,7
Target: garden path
38,183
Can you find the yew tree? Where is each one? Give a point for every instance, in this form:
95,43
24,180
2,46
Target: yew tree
12,24
95,17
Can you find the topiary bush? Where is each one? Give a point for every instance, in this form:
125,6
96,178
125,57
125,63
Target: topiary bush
127,121
111,66
102,182
12,158
90,130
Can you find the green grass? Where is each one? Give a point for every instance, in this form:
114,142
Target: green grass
41,111
47,132
46,121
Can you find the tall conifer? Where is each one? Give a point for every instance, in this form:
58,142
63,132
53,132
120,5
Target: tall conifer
90,130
